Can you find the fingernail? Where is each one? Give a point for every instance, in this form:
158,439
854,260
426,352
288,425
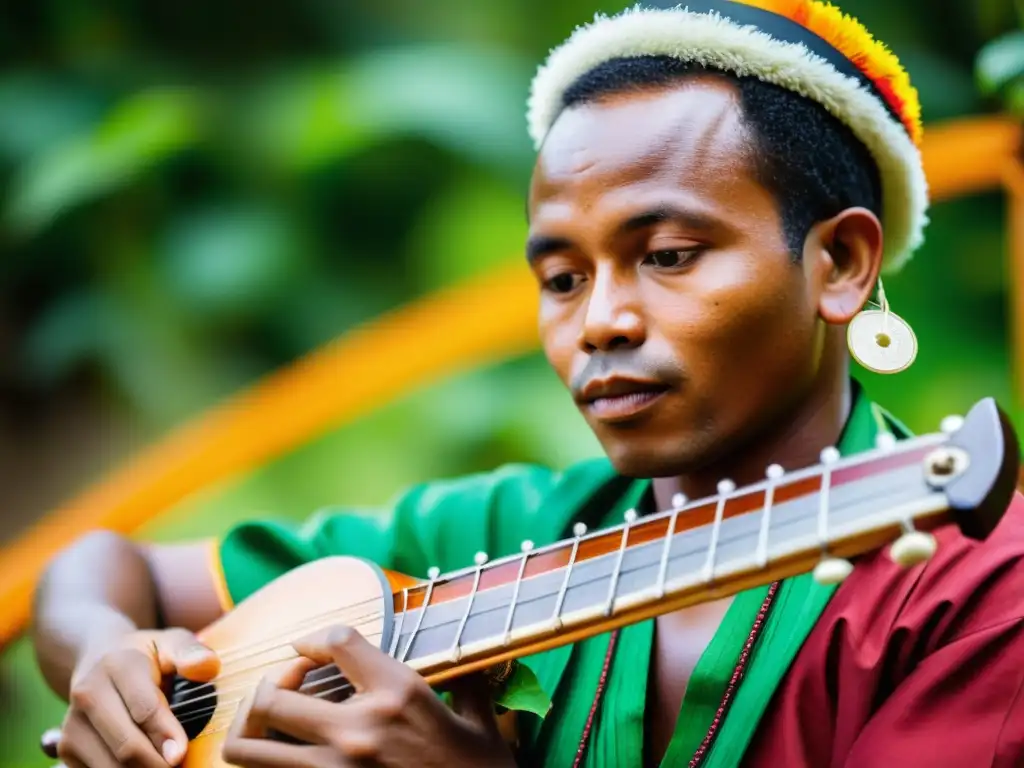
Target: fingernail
172,752
196,653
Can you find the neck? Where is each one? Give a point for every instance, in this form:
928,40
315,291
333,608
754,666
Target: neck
793,438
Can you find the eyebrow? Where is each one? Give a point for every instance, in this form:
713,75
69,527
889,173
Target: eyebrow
687,218
539,246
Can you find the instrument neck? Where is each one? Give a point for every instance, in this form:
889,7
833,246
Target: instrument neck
735,540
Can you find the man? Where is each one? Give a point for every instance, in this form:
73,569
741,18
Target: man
706,220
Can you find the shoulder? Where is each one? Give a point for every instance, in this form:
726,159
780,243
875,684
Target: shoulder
967,587
450,520
512,503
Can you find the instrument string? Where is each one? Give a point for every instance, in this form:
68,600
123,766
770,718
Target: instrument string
212,689
229,655
237,705
312,620
184,703
233,705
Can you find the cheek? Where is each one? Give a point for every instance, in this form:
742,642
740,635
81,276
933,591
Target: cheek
558,337
736,317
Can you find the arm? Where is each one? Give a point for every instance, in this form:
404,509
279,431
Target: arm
104,587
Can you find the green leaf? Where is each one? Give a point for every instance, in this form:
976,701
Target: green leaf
465,100
474,225
230,260
140,132
523,693
1000,62
41,112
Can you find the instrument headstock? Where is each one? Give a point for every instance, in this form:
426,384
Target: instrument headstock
977,468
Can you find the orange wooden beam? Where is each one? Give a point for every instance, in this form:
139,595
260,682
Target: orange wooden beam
969,155
489,318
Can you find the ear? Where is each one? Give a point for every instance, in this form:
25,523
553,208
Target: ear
843,256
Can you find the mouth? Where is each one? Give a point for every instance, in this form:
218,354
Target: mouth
612,400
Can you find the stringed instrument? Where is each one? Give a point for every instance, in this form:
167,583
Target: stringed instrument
492,612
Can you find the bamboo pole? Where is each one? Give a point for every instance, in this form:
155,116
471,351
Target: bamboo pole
486,319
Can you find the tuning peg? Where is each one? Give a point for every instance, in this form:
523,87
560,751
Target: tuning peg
885,441
951,424
829,455
832,570
912,548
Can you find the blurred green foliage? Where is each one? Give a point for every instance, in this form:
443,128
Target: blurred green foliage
193,195
1000,65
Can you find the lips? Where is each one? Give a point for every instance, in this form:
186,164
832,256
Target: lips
616,399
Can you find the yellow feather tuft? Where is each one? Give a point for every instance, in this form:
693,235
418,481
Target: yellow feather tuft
869,55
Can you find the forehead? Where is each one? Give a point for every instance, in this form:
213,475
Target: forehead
689,136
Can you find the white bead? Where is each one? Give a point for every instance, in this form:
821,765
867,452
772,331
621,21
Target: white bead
775,472
630,516
952,424
433,572
579,529
526,546
679,501
832,570
830,455
726,487
480,558
912,548
885,441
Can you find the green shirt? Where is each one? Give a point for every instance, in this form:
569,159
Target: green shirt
445,524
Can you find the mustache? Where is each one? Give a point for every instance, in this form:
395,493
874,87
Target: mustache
627,364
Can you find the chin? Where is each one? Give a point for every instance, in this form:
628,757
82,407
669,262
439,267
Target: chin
643,462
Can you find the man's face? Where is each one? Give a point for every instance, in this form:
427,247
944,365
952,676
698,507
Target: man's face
670,305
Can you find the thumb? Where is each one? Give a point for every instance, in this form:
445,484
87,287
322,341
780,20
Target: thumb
179,650
472,701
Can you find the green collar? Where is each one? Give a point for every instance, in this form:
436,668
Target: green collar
797,607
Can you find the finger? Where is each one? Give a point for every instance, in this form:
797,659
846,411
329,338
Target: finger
179,650
365,665
259,753
248,722
292,675
471,700
305,718
148,707
82,745
245,725
123,737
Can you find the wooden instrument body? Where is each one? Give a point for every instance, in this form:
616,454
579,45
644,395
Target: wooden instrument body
255,638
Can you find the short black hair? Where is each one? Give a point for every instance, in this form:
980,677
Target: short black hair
811,162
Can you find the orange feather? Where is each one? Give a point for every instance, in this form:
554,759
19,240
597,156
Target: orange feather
870,56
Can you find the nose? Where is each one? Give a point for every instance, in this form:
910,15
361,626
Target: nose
613,317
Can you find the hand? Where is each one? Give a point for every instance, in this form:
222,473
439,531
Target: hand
118,714
394,718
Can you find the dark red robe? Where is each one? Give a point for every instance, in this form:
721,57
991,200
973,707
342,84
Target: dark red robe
907,668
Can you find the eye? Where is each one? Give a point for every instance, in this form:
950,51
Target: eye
673,258
564,282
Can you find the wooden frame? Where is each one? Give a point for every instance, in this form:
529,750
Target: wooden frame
455,329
